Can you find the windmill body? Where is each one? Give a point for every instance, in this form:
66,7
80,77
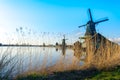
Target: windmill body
64,42
90,28
64,45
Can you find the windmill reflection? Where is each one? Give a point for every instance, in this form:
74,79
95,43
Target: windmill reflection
79,51
64,45
56,49
63,51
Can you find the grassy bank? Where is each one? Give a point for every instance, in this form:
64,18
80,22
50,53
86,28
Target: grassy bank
112,74
88,74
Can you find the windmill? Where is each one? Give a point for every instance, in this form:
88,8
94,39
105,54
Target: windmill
91,34
64,44
90,25
64,41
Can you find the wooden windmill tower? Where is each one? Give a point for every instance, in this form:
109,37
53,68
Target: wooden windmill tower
64,41
64,44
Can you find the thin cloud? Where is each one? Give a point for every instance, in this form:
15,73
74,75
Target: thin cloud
116,40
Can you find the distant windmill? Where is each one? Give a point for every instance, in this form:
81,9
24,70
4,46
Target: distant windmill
64,41
90,25
64,44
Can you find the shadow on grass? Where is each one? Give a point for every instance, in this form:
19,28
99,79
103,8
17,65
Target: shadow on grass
67,75
88,74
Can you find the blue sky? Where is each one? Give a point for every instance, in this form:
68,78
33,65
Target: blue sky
62,16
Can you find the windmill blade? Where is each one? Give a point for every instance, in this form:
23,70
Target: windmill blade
64,36
90,15
101,21
82,26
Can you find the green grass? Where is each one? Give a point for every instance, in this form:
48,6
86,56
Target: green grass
89,74
107,75
33,76
66,75
112,74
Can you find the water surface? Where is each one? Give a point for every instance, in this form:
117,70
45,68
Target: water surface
38,58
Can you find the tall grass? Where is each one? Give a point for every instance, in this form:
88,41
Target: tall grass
105,56
7,65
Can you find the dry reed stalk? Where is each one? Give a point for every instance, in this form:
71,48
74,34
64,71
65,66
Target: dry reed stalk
106,56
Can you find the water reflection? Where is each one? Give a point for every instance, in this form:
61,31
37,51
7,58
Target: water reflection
63,51
56,49
43,48
39,58
81,55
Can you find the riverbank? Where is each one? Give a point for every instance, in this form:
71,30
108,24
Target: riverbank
87,74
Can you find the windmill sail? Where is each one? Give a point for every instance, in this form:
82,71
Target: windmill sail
82,25
101,21
90,14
